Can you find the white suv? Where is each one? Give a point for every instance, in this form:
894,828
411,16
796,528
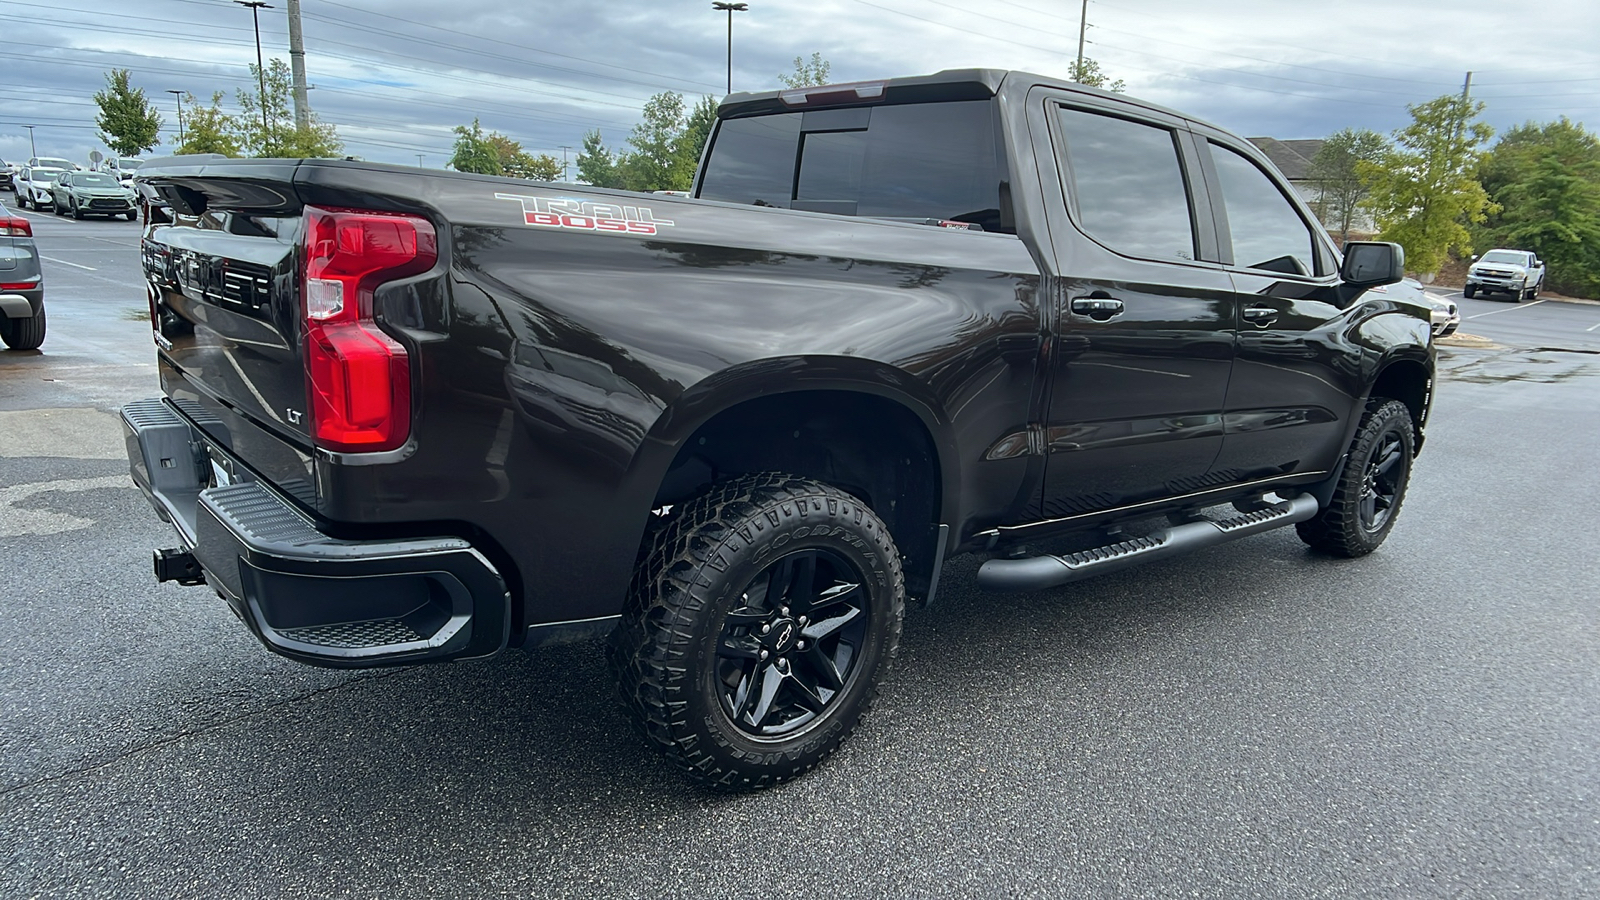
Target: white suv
1519,273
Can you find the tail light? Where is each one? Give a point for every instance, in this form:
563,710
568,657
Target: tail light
831,94
358,378
15,226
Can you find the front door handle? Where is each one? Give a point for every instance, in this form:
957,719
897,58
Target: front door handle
1261,316
1099,306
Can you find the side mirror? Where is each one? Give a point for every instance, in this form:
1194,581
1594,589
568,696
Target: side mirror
1473,258
1372,264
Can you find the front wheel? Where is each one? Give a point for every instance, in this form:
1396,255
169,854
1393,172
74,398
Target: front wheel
133,215
1372,486
758,624
77,211
1469,291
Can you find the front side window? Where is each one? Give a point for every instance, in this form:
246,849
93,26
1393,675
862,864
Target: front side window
1268,233
1127,181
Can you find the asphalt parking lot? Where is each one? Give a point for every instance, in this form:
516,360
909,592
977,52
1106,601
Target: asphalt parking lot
1252,720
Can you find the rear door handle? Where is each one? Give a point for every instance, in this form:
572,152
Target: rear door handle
1260,315
1099,306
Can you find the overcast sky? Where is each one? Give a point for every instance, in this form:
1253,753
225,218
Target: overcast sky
396,75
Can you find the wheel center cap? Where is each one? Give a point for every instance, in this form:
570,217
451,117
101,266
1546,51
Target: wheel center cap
784,634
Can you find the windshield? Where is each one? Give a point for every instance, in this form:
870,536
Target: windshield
129,163
55,163
43,175
94,179
1510,257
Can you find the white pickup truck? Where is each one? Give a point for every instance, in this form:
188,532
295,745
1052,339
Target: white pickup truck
1519,273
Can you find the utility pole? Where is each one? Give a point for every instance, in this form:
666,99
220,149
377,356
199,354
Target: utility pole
419,160
564,176
1083,26
732,8
32,147
178,95
1466,87
255,7
297,64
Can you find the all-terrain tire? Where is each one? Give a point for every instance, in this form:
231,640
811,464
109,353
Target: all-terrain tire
700,576
1366,501
23,334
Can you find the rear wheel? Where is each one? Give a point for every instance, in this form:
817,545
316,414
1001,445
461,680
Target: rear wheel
758,625
23,334
1372,486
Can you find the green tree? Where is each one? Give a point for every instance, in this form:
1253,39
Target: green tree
543,167
278,137
1546,181
596,164
1089,74
473,151
208,129
1335,168
650,165
128,124
1425,187
807,74
691,142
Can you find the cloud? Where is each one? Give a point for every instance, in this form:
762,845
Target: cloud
397,76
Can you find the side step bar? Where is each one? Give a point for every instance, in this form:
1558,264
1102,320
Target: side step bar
1036,573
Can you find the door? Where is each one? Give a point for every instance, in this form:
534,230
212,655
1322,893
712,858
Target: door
1294,385
1143,337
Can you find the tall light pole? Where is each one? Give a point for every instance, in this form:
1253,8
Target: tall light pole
1083,25
419,160
730,8
564,176
255,7
178,95
32,147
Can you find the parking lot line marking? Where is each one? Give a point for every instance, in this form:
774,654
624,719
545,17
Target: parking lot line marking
1593,327
1493,312
72,264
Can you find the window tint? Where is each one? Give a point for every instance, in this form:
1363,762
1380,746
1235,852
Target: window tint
1129,186
1267,232
924,160
752,160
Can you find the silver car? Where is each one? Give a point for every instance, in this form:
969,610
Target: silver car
82,194
21,285
33,186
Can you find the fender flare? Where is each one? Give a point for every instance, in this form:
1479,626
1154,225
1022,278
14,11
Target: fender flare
736,384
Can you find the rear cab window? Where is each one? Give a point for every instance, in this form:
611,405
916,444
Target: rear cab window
938,160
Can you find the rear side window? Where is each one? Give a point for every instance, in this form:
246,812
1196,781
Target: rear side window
1127,181
1267,232
922,161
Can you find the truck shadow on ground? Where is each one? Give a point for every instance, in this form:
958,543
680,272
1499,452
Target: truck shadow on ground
535,739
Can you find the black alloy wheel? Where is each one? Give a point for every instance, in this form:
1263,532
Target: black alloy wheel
1367,497
1386,473
794,644
761,615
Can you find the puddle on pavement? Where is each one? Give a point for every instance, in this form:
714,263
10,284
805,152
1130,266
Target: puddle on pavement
1545,365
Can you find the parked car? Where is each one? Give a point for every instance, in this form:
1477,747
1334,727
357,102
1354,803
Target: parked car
21,284
8,174
1519,273
418,415
33,186
54,162
122,167
80,194
1443,312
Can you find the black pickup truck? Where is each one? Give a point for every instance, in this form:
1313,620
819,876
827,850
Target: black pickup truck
423,416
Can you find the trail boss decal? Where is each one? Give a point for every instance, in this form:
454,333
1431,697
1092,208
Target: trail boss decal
586,215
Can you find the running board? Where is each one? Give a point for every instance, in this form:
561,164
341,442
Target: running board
1035,573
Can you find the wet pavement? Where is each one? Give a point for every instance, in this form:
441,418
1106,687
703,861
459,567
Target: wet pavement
1251,720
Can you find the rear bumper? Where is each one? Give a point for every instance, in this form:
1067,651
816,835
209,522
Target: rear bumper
304,593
